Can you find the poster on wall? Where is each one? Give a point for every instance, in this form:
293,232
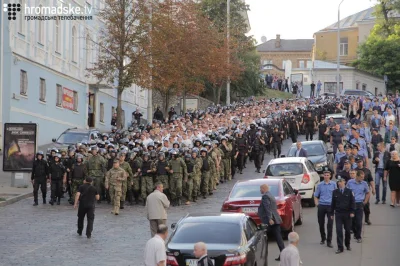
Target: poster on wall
191,104
19,146
68,99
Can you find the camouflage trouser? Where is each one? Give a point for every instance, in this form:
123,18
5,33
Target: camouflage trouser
196,184
164,180
211,181
226,173
188,188
136,183
175,185
75,184
205,180
115,195
124,189
98,182
147,186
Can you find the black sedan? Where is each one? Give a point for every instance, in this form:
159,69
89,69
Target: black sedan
231,239
317,152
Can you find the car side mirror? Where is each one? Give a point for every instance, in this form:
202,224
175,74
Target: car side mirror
296,191
53,140
262,227
330,151
173,226
283,156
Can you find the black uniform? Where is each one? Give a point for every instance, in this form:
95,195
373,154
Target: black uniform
243,147
86,207
344,174
276,142
321,132
309,123
40,172
293,130
57,171
343,204
257,153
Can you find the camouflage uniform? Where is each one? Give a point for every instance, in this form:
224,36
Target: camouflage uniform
113,181
95,167
77,175
179,173
191,172
147,185
214,178
136,164
226,161
127,184
206,173
197,177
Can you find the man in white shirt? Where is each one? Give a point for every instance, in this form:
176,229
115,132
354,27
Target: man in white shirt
154,253
389,117
290,255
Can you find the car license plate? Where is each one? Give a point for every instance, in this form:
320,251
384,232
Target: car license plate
290,180
250,210
193,262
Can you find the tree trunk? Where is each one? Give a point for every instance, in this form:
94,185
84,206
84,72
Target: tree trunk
166,103
219,89
120,123
184,102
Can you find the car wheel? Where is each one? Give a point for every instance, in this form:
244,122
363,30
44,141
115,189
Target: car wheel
311,202
300,220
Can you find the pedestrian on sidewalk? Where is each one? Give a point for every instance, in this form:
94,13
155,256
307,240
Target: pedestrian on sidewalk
86,197
200,252
40,177
154,252
290,256
156,205
268,213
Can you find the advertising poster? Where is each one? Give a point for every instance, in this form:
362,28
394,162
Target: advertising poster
19,146
68,99
191,104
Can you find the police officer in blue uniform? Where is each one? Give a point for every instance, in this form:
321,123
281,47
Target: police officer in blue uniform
343,206
361,194
323,199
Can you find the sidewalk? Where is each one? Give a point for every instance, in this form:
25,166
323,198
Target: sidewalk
8,194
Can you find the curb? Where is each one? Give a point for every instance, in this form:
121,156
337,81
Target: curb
16,199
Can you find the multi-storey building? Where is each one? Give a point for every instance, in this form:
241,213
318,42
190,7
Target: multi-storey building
43,73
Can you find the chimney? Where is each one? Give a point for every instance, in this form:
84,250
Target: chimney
278,41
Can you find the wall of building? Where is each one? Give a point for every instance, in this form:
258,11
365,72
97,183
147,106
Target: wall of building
278,58
326,45
371,82
364,30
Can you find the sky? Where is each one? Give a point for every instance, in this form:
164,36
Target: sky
298,19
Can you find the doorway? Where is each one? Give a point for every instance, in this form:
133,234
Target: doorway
91,110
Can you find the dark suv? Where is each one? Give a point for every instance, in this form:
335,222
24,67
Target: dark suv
75,135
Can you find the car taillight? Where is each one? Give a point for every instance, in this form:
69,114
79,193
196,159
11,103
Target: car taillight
306,179
171,261
266,176
235,260
229,208
281,207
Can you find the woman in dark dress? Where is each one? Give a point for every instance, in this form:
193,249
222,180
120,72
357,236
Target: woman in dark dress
392,170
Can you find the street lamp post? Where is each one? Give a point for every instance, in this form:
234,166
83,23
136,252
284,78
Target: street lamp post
228,22
338,52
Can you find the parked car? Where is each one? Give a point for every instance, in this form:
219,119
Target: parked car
232,239
75,135
357,93
328,94
299,172
318,153
337,118
245,198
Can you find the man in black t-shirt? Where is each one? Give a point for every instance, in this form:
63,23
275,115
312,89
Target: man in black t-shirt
86,196
323,130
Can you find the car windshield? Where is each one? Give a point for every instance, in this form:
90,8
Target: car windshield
208,232
72,138
312,150
285,169
251,191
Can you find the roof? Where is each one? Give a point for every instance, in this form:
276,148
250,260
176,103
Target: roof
287,160
214,218
321,65
309,142
259,181
359,17
298,45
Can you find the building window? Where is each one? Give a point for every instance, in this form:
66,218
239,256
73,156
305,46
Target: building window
265,62
88,51
301,64
59,95
309,64
112,111
57,35
23,86
102,112
75,101
357,86
42,96
364,87
41,29
74,50
21,27
331,87
344,46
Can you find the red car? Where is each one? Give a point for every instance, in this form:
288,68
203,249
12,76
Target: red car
245,197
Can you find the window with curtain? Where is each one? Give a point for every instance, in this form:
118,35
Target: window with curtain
21,19
75,101
59,95
57,35
101,112
23,87
42,94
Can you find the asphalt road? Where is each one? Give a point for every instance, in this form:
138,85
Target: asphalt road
46,235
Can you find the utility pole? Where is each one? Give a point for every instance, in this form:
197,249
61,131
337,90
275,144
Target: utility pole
338,52
228,22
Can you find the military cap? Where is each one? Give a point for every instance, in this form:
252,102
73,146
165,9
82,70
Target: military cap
347,161
116,160
340,179
326,170
359,159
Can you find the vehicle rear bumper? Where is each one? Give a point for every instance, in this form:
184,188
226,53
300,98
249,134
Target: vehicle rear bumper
306,193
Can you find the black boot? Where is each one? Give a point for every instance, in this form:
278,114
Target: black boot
194,198
204,196
35,203
44,200
51,202
121,204
144,202
130,198
58,201
179,202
